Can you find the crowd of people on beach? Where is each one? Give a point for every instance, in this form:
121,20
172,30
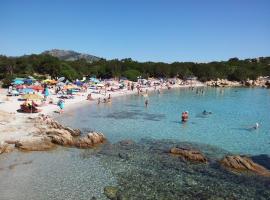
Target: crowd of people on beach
57,92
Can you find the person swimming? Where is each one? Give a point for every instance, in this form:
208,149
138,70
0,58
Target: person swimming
184,116
206,112
256,125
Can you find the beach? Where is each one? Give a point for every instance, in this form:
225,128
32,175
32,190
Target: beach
16,126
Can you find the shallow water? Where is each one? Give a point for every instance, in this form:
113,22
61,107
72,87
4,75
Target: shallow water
235,111
145,170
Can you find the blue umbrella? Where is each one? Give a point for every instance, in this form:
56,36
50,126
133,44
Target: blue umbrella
27,91
92,79
17,82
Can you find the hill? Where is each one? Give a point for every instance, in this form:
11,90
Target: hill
68,55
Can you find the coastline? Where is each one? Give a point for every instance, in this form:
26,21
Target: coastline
21,127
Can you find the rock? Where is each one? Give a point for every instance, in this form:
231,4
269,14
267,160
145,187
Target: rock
189,154
90,140
6,148
60,136
123,156
243,164
73,132
111,192
42,144
126,142
97,138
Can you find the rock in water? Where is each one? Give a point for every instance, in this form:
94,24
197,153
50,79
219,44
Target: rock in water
189,154
42,144
90,140
242,163
111,192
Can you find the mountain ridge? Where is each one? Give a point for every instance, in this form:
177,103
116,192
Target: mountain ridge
70,55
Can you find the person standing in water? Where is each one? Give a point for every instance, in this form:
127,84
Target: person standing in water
146,102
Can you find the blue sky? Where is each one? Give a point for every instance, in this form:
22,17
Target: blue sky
156,30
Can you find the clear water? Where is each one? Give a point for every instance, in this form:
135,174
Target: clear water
145,170
235,111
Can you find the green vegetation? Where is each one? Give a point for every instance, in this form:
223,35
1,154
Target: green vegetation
41,65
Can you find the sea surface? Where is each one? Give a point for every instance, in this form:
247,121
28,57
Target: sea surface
144,169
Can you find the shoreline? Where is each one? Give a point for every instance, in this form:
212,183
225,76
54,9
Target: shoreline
17,126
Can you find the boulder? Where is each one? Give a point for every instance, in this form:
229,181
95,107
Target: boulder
188,154
41,144
243,164
90,140
60,136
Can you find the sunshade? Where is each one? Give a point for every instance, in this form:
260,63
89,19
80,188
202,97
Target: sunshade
32,96
18,82
27,90
36,87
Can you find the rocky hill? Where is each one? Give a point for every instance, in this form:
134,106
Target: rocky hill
69,55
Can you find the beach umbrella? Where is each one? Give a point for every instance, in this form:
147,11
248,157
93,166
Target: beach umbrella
100,85
18,82
60,84
27,90
36,87
92,79
20,86
32,97
61,79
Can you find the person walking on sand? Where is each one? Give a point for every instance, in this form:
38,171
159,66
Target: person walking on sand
61,105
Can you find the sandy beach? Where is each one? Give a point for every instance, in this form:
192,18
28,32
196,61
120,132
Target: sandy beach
16,126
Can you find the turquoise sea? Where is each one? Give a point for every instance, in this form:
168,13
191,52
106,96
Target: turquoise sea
234,112
145,170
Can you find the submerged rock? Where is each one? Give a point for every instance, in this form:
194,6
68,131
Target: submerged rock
42,144
188,154
126,142
111,192
243,164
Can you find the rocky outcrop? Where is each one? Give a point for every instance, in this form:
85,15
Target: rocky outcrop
49,133
60,137
223,83
40,144
243,164
189,154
